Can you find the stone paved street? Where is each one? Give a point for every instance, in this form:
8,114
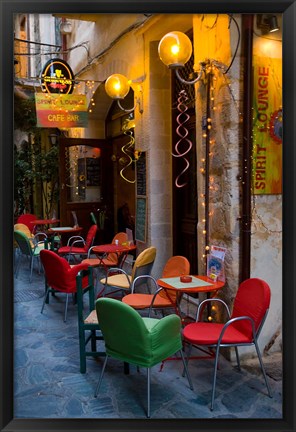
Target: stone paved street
48,383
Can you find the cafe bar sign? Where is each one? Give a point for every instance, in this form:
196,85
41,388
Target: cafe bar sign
57,77
56,110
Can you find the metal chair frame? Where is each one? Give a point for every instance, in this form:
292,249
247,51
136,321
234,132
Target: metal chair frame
219,344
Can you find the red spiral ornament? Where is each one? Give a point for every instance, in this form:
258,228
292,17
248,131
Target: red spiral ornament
182,132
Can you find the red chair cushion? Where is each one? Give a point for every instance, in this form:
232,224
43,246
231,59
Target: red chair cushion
202,333
73,250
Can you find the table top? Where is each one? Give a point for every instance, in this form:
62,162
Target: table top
44,221
62,230
198,284
113,248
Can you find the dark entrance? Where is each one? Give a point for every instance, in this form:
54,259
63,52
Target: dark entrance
185,198
86,184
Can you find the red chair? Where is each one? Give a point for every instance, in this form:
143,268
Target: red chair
59,276
72,248
175,266
26,219
250,309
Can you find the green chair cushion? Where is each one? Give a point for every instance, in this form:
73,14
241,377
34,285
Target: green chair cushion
136,340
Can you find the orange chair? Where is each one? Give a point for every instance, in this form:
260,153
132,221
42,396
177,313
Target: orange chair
249,312
72,249
59,276
176,266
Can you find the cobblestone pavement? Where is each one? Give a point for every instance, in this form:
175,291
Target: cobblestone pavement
48,383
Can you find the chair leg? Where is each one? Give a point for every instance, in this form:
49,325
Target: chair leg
45,297
66,307
148,391
186,370
187,359
237,358
17,266
101,376
263,369
82,349
214,378
93,341
31,269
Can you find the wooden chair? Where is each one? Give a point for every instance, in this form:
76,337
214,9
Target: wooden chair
88,327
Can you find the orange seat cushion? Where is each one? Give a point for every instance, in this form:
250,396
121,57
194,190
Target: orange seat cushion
143,301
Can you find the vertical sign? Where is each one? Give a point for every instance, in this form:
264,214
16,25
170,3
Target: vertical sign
141,174
141,219
141,200
267,125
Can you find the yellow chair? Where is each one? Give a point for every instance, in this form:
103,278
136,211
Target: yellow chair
121,281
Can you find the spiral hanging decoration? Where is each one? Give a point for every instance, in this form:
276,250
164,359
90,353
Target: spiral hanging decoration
128,149
182,132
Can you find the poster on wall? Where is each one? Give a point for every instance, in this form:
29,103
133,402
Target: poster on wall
267,125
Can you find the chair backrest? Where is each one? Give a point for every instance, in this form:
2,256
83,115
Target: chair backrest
23,242
175,266
84,285
93,218
26,219
144,263
90,237
57,271
252,299
24,229
122,238
127,338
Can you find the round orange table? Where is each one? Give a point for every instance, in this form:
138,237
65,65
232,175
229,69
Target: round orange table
198,284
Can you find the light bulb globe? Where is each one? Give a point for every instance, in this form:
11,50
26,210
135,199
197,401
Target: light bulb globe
117,86
175,49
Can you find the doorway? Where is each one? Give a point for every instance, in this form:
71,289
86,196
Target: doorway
86,185
185,216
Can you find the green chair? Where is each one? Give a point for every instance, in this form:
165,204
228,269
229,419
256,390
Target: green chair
88,326
140,341
28,250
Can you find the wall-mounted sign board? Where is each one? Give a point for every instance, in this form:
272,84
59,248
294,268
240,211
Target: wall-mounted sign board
141,174
141,219
57,77
54,110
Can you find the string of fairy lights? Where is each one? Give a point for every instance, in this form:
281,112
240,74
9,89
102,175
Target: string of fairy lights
216,71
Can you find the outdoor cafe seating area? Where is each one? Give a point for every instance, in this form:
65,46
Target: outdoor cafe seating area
96,331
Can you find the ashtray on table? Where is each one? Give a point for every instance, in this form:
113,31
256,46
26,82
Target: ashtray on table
185,279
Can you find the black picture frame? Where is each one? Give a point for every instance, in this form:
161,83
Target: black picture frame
8,8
